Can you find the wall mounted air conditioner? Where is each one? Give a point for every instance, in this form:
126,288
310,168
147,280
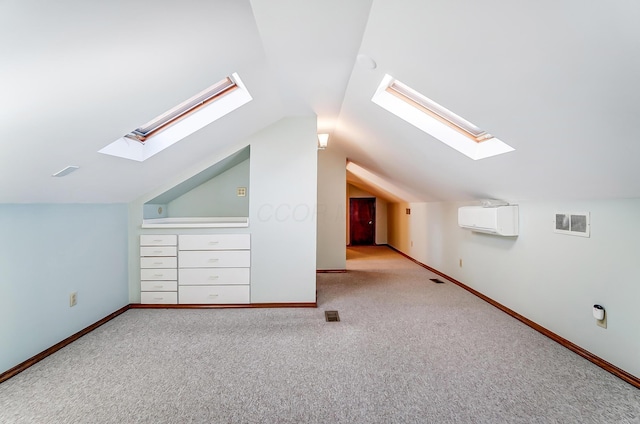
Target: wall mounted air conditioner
499,220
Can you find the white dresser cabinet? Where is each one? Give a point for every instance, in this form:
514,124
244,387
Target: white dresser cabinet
158,269
214,269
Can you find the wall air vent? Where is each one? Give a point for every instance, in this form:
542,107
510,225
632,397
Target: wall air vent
573,224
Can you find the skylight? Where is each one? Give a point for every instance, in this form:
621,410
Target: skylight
436,120
177,123
182,110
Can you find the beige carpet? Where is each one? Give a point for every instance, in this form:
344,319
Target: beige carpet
406,350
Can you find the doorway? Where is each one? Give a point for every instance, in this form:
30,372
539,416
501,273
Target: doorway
362,221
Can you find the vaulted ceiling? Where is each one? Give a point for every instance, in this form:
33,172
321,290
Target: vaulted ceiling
557,80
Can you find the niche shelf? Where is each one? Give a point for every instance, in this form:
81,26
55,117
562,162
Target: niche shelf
214,198
199,222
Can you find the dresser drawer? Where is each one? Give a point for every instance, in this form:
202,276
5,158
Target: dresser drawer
161,262
214,258
208,276
158,240
215,242
147,286
213,294
158,274
158,251
159,297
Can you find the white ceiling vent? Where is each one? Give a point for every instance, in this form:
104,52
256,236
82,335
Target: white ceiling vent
66,171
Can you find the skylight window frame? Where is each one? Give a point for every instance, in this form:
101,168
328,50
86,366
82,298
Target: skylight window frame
432,123
183,110
198,118
437,111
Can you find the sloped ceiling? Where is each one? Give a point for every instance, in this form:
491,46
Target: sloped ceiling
555,80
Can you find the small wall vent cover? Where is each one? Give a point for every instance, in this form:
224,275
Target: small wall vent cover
572,223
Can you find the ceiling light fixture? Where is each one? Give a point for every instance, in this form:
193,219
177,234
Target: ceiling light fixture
323,141
436,120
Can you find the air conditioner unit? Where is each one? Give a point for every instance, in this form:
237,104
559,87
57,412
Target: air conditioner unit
499,220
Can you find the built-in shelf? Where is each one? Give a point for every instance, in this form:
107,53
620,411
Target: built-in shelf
206,222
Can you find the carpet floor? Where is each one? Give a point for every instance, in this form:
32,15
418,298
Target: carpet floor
406,350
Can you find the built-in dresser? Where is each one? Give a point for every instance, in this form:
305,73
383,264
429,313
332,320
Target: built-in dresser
158,269
211,269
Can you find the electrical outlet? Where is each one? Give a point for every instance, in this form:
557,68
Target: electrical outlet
602,322
73,299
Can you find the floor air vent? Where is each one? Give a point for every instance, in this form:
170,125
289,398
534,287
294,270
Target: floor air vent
331,316
435,280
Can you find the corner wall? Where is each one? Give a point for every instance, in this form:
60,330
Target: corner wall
282,212
47,252
332,219
551,279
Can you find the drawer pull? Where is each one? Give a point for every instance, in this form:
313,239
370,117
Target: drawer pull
158,263
157,240
213,295
158,286
158,298
214,260
214,242
213,277
158,275
157,251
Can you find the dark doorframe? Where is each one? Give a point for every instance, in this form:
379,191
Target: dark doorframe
362,221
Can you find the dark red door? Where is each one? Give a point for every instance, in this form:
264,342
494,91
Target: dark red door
362,221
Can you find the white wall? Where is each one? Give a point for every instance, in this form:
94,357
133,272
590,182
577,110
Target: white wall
282,212
46,253
282,216
216,197
419,234
551,279
332,219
